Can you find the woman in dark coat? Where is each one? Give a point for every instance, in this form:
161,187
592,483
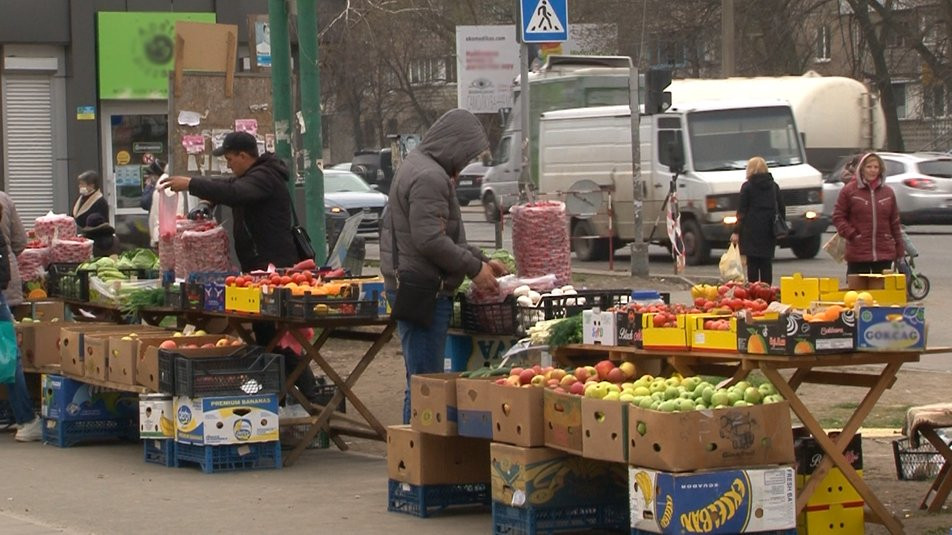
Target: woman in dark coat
760,201
91,200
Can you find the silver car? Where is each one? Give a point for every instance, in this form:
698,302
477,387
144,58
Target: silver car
345,192
922,182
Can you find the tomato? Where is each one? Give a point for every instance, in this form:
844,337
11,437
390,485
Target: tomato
308,276
230,280
736,304
297,278
722,289
658,320
708,325
740,293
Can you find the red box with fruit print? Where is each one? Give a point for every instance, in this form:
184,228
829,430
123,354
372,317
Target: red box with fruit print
713,332
664,330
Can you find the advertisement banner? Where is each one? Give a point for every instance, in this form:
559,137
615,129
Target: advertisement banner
136,52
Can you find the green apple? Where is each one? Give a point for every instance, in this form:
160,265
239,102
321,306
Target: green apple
733,397
742,385
685,405
767,389
741,403
707,394
647,402
612,396
642,391
719,397
668,406
199,333
642,428
673,381
753,396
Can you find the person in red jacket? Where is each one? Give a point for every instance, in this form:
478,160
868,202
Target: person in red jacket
867,217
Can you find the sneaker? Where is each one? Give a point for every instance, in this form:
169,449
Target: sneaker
30,431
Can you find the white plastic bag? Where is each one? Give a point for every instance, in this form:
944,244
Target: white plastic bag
732,266
836,248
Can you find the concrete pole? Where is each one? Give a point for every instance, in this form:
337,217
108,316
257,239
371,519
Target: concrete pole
312,150
727,38
639,247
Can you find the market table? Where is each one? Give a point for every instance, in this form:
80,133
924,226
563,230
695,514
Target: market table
738,365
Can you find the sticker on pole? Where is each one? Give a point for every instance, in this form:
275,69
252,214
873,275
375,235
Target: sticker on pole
544,21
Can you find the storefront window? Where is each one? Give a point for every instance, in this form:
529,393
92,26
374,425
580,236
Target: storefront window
137,140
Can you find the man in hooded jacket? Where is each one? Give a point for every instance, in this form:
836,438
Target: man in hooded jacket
424,219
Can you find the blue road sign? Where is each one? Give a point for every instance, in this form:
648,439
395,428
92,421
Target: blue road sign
545,21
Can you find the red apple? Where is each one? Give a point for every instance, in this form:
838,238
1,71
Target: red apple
568,380
168,344
603,367
581,373
205,346
615,375
577,388
525,377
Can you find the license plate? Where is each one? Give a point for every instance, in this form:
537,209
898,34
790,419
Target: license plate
371,216
465,182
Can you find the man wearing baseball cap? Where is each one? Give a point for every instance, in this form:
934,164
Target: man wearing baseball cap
261,214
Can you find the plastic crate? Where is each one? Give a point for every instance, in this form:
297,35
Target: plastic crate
158,451
324,393
491,318
309,307
213,299
68,433
55,273
229,458
274,303
193,296
175,296
509,520
422,500
916,464
167,358
246,372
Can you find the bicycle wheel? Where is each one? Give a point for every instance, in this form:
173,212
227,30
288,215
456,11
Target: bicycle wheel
918,287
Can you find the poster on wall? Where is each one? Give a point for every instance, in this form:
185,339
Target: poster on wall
136,52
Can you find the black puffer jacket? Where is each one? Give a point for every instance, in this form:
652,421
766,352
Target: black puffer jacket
759,201
261,207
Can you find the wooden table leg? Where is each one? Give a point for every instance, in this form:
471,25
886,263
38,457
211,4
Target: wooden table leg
834,450
943,482
797,378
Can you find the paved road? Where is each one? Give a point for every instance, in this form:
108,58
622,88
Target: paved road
935,261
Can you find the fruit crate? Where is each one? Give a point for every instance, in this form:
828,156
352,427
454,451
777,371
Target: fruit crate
509,520
229,458
75,285
552,307
309,307
175,296
916,464
491,318
159,451
422,500
193,296
213,297
247,371
54,275
67,433
243,300
274,303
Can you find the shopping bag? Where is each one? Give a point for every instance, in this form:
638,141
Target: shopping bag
732,266
8,352
836,248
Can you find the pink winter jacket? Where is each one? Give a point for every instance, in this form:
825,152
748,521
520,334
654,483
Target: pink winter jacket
868,218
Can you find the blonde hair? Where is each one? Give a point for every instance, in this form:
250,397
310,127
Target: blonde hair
756,165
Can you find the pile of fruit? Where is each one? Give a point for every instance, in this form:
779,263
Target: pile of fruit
109,268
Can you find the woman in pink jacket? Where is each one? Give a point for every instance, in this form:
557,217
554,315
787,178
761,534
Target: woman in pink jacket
867,217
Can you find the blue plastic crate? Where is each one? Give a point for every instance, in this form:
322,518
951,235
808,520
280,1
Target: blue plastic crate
159,451
421,500
532,520
229,458
66,433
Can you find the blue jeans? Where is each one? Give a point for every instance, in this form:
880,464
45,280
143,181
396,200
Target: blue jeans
19,395
423,348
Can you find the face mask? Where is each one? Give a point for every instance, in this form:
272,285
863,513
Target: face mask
84,191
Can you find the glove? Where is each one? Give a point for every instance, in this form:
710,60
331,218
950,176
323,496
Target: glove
200,212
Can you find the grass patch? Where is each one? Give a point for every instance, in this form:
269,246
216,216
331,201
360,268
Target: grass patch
579,278
883,416
846,405
372,263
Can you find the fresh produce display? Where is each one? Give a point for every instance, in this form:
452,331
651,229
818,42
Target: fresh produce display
566,331
486,371
75,249
540,333
527,297
119,268
203,248
136,299
299,283
540,240
51,226
731,290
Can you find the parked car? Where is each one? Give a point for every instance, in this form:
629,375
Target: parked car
469,182
922,182
375,166
345,166
346,192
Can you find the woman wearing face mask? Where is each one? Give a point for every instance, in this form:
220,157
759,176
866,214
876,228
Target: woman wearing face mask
867,217
91,200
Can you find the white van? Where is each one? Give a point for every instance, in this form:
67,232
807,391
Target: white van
589,149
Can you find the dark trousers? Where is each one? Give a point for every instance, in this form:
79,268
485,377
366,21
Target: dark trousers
264,333
868,267
760,268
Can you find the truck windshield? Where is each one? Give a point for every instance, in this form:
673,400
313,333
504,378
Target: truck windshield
725,139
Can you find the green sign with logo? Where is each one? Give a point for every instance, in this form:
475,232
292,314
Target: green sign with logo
137,51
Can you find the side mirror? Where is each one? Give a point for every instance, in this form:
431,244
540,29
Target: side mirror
375,187
676,157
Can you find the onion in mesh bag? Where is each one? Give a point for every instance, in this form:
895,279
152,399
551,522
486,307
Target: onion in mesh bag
32,263
540,240
203,251
54,225
71,250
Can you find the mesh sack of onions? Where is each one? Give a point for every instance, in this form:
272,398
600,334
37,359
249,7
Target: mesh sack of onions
52,226
32,263
540,240
204,250
76,250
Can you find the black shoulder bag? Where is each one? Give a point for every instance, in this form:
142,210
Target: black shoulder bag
416,293
302,241
780,226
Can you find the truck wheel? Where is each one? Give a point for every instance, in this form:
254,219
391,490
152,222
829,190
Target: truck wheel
490,208
806,248
588,249
697,250
464,202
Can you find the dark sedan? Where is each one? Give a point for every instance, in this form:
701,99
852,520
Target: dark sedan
346,192
469,183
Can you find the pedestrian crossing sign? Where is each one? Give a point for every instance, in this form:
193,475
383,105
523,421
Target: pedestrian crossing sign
545,21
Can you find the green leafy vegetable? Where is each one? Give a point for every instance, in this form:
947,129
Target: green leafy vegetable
567,331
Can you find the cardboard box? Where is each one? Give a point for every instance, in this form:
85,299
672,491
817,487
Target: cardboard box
423,459
548,478
433,403
123,354
39,343
517,415
598,327
156,416
66,399
846,518
147,362
48,310
96,361
809,454
834,488
562,414
792,335
605,430
801,292
214,421
72,338
675,338
627,327
473,351
702,339
474,408
715,502
883,328
718,438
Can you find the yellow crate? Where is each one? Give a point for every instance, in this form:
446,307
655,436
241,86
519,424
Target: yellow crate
247,300
800,292
664,337
833,519
886,289
834,488
711,340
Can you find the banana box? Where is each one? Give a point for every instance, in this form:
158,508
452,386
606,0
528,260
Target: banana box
714,502
246,300
832,519
888,289
884,328
547,478
156,413
433,403
214,421
65,399
800,292
517,415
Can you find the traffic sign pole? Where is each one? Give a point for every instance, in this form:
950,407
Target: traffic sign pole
525,176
